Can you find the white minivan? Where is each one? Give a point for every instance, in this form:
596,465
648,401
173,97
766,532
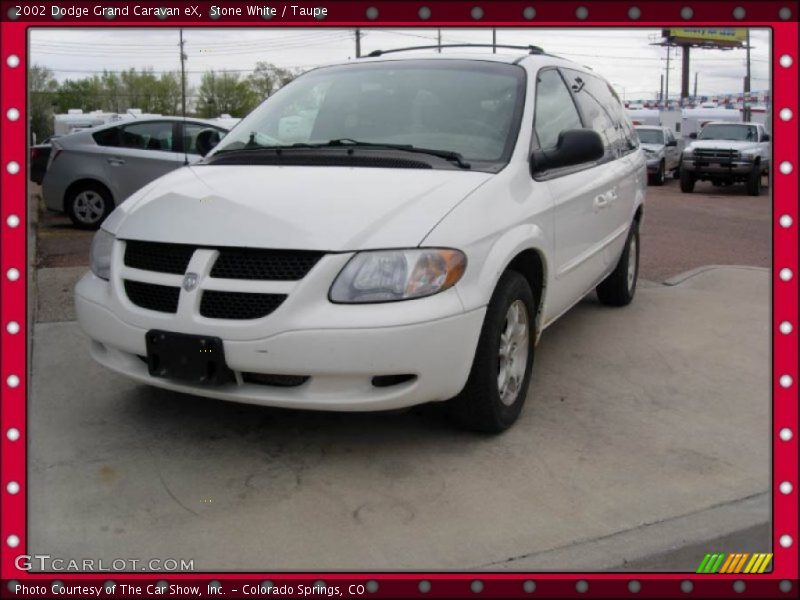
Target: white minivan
378,234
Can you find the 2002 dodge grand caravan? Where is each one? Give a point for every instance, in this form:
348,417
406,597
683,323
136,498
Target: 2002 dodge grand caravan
375,235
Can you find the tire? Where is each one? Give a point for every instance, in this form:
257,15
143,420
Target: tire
485,404
619,288
88,205
687,182
754,182
660,176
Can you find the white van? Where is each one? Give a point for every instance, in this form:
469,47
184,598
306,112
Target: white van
426,219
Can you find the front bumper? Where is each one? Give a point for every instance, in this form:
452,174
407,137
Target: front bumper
653,164
340,362
738,167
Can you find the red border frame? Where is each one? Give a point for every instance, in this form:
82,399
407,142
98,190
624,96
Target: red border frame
444,13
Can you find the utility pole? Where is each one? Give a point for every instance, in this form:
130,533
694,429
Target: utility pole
661,91
666,86
183,78
695,86
747,81
358,43
494,40
439,41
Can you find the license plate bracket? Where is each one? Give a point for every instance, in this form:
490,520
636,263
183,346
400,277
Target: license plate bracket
198,359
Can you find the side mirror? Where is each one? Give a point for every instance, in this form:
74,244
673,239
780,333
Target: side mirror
672,143
206,140
575,146
765,138
693,135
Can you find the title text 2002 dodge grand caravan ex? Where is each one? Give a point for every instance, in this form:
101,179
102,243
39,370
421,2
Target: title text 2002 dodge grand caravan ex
375,235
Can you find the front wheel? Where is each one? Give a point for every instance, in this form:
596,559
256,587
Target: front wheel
754,182
492,398
619,288
687,181
660,176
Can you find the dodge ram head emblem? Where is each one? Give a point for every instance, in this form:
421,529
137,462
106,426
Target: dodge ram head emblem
190,281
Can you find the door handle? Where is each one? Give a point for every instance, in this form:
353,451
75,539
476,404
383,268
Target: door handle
601,201
611,196
115,161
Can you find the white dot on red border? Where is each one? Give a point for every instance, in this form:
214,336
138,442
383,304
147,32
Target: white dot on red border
786,488
785,327
785,274
12,167
12,381
12,541
785,434
785,61
12,61
786,221
785,541
12,221
12,487
12,274
13,434
786,381
785,167
12,327
12,114
786,114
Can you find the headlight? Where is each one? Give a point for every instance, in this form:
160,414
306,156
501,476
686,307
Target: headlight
749,156
100,259
688,152
649,152
390,275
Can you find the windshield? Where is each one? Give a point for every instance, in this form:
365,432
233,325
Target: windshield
466,106
650,136
740,133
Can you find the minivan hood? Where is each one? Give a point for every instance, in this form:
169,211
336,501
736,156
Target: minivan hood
293,207
723,145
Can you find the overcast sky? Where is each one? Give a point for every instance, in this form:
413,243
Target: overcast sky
624,56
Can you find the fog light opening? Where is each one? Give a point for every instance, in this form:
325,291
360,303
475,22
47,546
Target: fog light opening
382,381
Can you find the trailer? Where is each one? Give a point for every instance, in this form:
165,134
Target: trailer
644,116
693,119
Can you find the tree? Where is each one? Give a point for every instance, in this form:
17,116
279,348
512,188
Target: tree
267,79
42,88
225,92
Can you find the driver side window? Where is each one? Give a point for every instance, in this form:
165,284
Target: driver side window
555,109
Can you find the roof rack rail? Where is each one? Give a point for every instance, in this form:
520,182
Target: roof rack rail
530,49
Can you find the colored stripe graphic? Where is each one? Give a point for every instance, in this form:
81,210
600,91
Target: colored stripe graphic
703,563
720,562
765,564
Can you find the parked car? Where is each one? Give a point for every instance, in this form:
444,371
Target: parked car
660,150
91,171
727,153
40,154
407,244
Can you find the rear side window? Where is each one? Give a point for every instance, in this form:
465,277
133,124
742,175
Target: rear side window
555,110
147,136
107,137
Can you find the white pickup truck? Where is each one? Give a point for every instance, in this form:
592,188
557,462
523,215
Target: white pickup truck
727,153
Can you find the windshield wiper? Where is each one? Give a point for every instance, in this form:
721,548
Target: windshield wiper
351,143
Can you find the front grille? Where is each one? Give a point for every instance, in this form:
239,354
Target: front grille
715,154
275,265
238,305
163,298
158,256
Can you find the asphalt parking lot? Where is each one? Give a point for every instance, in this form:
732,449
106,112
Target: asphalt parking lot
645,440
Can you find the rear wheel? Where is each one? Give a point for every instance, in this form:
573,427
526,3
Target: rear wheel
619,288
660,176
492,398
687,181
88,205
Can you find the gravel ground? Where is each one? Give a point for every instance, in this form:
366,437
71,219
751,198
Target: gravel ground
712,226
